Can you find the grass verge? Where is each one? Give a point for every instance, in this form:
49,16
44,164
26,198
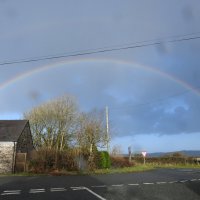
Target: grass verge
136,168
177,166
147,167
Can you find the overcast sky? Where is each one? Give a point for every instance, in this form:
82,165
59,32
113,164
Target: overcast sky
153,91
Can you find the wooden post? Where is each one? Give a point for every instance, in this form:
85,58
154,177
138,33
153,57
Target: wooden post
144,160
14,158
25,162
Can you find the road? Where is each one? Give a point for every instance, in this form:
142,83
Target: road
180,184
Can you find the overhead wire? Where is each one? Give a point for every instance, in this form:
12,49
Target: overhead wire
146,43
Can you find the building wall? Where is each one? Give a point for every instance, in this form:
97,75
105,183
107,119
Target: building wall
6,156
25,142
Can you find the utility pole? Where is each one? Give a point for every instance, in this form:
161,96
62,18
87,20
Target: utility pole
107,130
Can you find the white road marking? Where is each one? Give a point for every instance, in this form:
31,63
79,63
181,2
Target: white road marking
11,192
98,186
57,189
193,180
36,190
148,183
183,181
161,182
120,185
78,188
133,184
85,188
95,194
173,182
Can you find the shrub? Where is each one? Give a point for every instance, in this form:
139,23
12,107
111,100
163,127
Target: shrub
66,160
91,163
119,162
46,160
166,159
104,160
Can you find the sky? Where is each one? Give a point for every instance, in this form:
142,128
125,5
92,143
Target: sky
152,89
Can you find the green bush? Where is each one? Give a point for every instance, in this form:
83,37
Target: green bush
104,160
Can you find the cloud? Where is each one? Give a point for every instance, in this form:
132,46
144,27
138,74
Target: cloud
140,101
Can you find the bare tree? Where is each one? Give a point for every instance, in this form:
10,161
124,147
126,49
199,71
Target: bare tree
91,132
53,123
116,150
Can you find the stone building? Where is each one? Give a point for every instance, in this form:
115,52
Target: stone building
15,137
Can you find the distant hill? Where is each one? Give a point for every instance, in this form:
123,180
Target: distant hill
191,153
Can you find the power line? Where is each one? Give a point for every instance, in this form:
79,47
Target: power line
101,50
161,39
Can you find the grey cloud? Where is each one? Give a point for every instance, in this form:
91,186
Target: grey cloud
138,100
132,94
154,118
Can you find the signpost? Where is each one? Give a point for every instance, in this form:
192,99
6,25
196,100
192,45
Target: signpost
144,153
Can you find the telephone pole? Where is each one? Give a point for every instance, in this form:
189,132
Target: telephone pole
107,130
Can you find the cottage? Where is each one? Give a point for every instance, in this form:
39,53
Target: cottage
15,137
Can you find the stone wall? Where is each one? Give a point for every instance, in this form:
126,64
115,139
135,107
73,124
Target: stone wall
6,156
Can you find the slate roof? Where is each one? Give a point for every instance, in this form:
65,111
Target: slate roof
10,130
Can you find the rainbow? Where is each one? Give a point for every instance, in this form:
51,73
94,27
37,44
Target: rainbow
131,64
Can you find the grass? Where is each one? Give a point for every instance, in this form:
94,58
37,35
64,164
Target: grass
21,174
176,166
146,167
136,168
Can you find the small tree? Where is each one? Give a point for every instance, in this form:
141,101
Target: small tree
90,135
116,150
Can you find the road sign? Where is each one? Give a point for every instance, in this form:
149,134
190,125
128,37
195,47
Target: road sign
144,153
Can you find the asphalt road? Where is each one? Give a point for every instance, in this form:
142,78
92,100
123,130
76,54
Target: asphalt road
183,184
